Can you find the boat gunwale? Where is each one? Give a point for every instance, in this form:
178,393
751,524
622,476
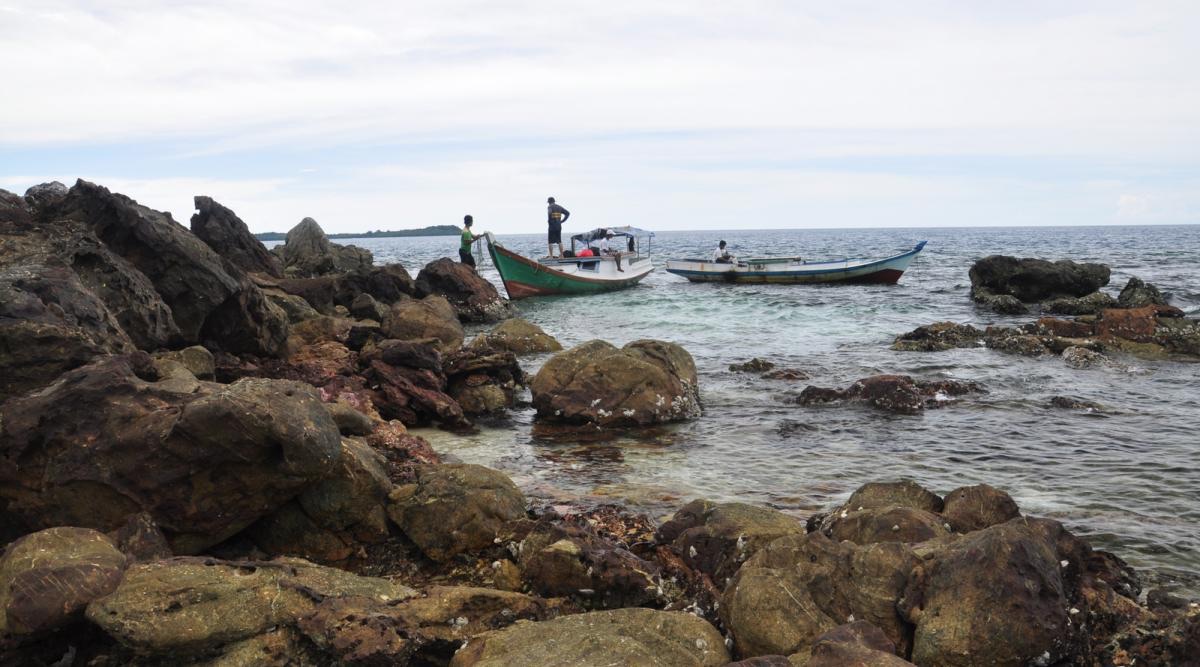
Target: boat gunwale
538,266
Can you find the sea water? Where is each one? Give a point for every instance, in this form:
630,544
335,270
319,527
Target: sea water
1127,478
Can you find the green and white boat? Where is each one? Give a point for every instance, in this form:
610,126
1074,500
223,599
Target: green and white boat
524,277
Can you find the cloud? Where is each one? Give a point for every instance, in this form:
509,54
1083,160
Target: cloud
839,110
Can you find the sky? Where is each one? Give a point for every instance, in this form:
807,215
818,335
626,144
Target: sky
665,115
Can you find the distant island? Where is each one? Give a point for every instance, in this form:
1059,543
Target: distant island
435,230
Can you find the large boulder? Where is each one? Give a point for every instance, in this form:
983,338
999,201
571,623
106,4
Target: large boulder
331,520
646,382
430,317
600,639
474,299
716,538
904,493
205,461
307,253
212,301
48,577
455,508
1033,280
801,586
519,337
1006,578
387,284
225,233
483,380
182,606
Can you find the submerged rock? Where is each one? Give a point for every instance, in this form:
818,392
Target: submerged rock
755,365
937,337
600,639
473,298
646,382
893,393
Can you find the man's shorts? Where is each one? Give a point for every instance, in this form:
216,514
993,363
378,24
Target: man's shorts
555,235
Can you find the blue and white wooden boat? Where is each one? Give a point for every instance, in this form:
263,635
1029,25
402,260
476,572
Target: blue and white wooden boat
796,270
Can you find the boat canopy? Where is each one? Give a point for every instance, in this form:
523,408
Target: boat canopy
588,237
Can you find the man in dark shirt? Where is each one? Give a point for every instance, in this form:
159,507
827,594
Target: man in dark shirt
555,216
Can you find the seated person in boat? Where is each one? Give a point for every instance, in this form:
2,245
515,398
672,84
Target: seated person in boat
464,248
609,252
723,256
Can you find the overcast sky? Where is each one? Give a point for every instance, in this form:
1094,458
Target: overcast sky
667,115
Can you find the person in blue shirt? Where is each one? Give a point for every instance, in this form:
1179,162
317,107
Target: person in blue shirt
555,217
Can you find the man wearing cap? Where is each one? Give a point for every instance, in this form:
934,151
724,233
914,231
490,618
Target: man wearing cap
555,217
605,250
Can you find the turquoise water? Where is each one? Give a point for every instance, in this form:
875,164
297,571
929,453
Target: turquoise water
1129,480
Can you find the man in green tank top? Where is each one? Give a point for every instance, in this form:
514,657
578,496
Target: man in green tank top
464,248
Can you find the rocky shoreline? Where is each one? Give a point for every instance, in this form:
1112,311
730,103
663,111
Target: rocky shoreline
205,460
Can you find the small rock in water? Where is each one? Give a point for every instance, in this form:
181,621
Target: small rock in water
1072,403
1081,357
755,365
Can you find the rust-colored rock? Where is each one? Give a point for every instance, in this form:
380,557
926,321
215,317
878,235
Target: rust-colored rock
473,298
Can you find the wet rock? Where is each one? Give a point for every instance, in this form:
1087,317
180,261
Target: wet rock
786,374
455,508
763,661
205,464
1053,326
1033,280
1012,341
884,524
1086,305
431,317
330,520
1081,357
226,234
48,577
365,307
893,393
1155,331
1005,577
519,337
857,643
401,449
360,631
716,538
1072,403
454,614
575,562
192,605
937,337
755,365
599,639
196,359
211,300
902,493
970,508
646,382
473,298
1138,294
483,380
1005,304
801,586
1161,598
414,395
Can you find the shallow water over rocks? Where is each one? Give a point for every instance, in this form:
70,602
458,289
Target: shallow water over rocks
1126,476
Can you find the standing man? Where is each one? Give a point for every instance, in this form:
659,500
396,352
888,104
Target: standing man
555,217
464,248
